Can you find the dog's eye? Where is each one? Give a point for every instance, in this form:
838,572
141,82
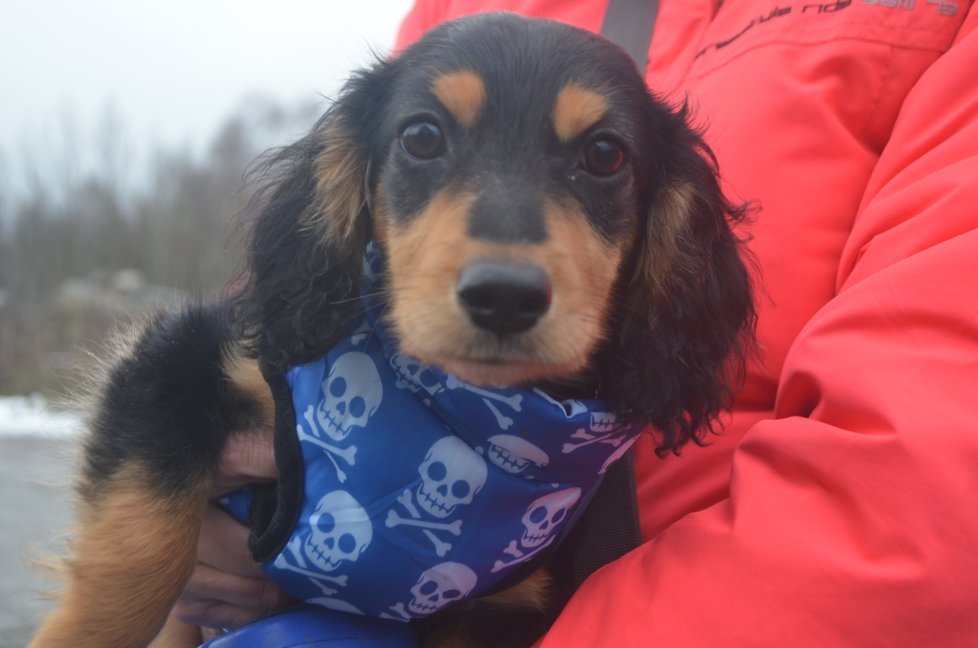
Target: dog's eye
603,157
423,140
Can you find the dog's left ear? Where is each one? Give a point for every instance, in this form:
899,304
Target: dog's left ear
687,317
311,221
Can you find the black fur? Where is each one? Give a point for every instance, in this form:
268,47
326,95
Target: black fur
167,405
676,345
676,351
298,294
680,352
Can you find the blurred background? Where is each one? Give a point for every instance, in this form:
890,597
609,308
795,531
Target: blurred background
125,132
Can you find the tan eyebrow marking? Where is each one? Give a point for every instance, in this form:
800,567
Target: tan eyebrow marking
576,110
463,93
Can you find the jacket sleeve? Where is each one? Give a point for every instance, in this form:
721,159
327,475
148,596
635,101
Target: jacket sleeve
852,514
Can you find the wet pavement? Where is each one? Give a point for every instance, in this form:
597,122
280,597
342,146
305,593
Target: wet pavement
35,510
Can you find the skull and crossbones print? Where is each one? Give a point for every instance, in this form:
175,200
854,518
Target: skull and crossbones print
451,476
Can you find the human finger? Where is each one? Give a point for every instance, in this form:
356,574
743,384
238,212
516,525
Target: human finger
223,544
245,459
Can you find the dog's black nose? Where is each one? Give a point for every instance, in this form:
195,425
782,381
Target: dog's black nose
504,298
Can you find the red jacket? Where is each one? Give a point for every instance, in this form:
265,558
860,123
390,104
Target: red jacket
840,505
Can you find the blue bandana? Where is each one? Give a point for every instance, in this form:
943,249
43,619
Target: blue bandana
422,490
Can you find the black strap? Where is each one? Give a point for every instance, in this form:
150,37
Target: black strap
606,531
275,507
629,23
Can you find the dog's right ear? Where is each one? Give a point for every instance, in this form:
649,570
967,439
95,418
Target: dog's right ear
310,221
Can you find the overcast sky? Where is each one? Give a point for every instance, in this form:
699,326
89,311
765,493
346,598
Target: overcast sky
172,69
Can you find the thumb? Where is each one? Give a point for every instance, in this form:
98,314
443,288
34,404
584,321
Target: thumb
245,459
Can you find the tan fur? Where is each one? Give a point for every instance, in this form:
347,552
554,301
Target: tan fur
666,229
577,109
532,593
462,93
380,218
340,171
108,601
584,277
426,256
245,375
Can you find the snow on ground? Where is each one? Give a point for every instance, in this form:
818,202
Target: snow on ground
34,416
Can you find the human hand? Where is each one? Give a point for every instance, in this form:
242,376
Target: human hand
227,587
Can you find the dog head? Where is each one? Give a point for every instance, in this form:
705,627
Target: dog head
543,218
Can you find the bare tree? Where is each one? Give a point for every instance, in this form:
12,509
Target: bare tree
85,215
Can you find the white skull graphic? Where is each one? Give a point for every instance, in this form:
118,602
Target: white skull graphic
452,474
352,392
340,531
545,514
514,454
440,585
415,375
603,423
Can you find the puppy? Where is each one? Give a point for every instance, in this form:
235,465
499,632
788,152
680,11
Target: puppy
544,222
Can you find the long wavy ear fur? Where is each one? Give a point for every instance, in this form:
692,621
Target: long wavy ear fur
310,223
687,320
